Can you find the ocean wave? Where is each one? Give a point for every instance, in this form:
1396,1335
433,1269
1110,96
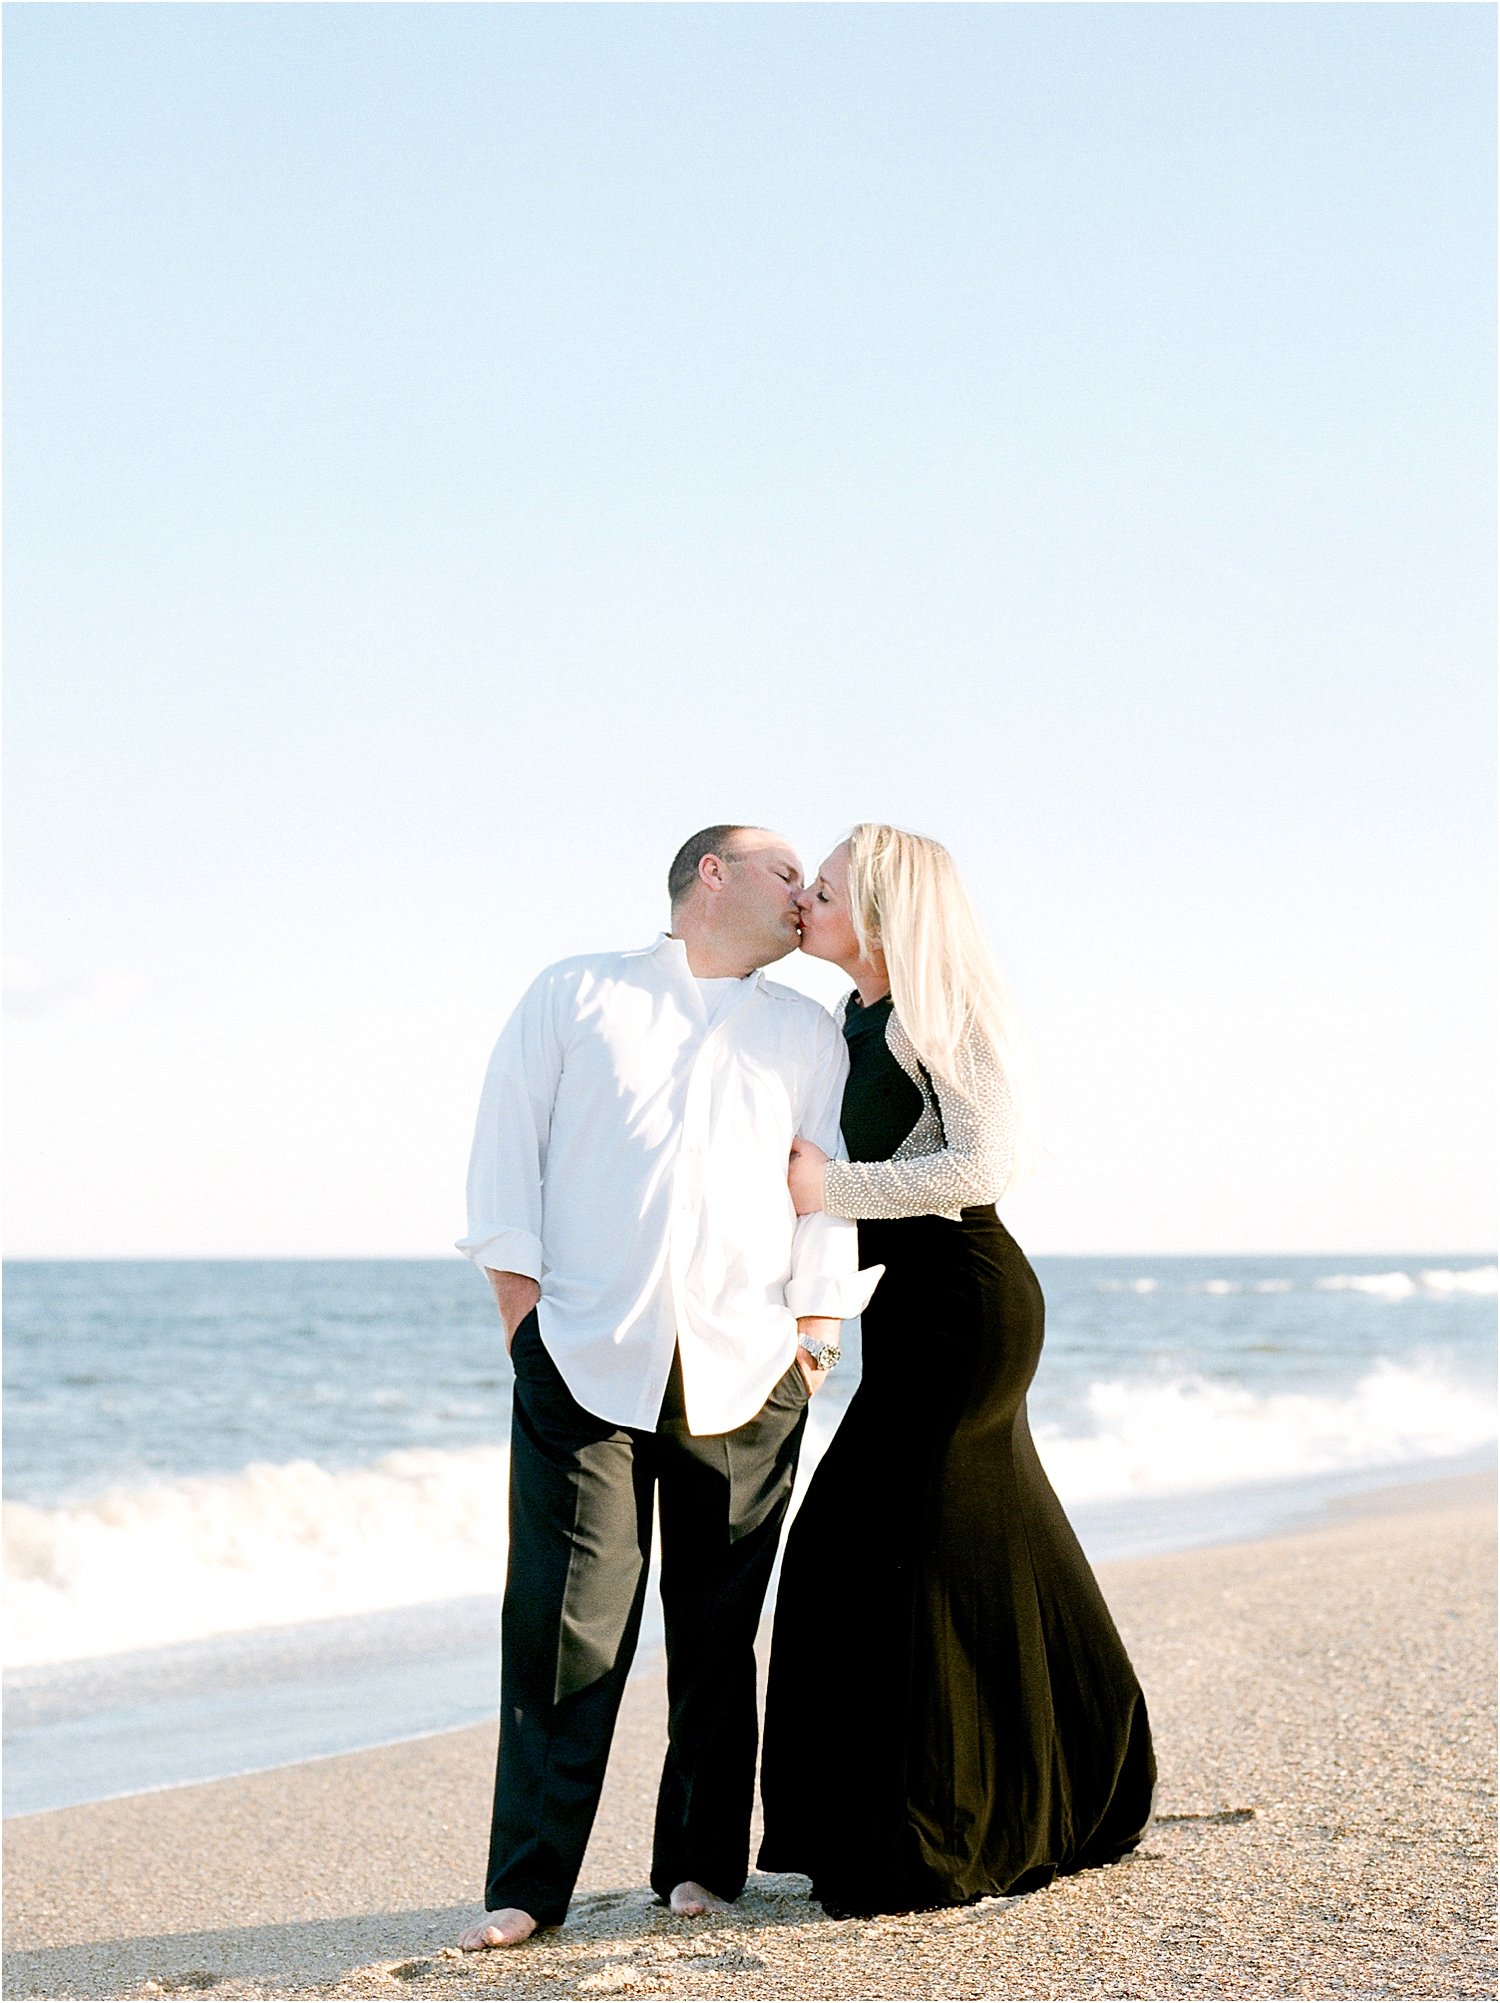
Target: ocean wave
271,1546
277,1545
1430,1283
1433,1283
1194,1433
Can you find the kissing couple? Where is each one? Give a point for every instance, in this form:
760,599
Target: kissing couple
684,1177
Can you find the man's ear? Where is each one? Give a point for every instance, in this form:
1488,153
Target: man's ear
711,872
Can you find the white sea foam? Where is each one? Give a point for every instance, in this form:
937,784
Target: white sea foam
1191,1432
277,1545
1425,1283
1385,1286
1402,1286
1472,1280
268,1547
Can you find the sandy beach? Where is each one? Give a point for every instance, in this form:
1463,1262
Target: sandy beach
1323,1707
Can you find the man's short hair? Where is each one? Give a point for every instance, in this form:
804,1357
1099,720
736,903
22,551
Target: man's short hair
708,841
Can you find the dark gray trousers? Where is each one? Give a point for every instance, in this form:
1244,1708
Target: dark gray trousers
581,1492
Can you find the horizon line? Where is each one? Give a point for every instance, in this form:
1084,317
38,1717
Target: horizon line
439,1258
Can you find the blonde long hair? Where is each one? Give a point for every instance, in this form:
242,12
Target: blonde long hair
906,897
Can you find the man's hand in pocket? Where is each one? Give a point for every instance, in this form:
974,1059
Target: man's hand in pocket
516,1294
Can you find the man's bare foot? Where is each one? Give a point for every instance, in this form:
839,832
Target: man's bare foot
690,1898
507,1928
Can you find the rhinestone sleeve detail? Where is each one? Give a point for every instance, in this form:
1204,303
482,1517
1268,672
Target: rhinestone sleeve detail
959,1152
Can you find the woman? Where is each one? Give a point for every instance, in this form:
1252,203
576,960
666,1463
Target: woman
951,1712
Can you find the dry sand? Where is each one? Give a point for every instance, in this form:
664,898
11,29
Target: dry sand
1323,1706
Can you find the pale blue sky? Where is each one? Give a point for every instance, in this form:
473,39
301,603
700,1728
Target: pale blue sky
454,452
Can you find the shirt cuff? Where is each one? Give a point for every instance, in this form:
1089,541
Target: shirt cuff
506,1252
832,1296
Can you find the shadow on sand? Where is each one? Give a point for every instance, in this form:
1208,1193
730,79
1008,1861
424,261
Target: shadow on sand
611,1941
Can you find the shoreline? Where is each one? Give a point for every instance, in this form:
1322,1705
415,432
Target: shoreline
1324,1827
285,1695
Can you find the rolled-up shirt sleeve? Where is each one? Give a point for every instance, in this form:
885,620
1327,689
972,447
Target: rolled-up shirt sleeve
826,1276
509,1155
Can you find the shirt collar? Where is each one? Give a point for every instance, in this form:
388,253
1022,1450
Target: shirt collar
674,951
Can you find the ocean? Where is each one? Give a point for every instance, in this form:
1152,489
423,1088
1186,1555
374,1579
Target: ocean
255,1510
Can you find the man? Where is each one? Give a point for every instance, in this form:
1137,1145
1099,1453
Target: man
668,1318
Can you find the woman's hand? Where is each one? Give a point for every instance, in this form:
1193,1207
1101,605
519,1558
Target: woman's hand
804,1176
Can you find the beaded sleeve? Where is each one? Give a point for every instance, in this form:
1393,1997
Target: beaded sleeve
959,1152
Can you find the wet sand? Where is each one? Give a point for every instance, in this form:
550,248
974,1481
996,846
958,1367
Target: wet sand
1324,1713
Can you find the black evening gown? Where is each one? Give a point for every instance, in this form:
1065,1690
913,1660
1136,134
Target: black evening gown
951,1712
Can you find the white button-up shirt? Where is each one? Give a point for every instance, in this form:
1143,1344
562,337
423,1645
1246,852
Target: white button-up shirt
632,1157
